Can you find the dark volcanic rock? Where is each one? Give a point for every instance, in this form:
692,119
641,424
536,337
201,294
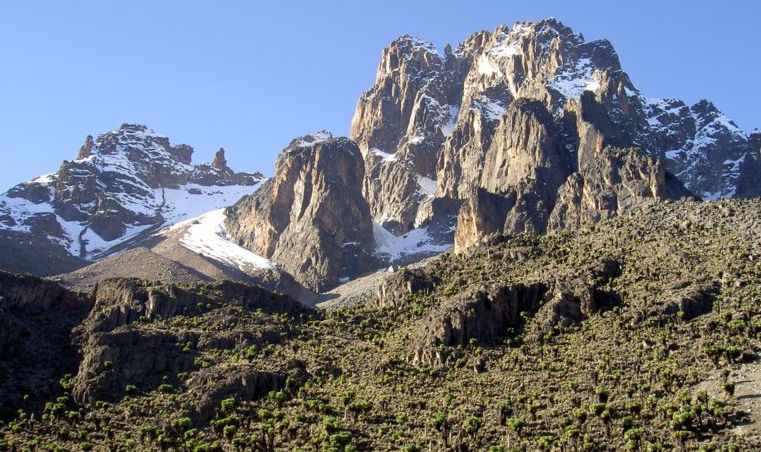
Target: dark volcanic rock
749,180
575,298
393,289
482,316
36,322
123,356
690,302
121,301
207,388
118,352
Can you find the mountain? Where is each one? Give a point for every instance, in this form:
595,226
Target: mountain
124,185
445,117
528,128
590,300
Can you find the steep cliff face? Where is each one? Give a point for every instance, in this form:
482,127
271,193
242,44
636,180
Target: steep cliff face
540,128
400,124
749,180
609,176
36,322
311,217
124,184
414,94
532,183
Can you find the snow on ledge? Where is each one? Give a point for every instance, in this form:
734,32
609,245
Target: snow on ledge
311,140
385,156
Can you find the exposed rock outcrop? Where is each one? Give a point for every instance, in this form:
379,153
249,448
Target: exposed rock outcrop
116,351
692,301
480,216
482,316
311,217
393,289
121,301
400,124
220,162
125,356
487,314
577,297
208,388
534,182
749,180
609,177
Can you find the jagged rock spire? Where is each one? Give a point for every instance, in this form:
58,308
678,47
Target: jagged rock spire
219,162
86,149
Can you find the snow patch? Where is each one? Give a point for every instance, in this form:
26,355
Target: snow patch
451,123
192,200
427,186
419,44
207,236
575,79
413,242
492,109
45,179
311,140
485,66
385,156
417,139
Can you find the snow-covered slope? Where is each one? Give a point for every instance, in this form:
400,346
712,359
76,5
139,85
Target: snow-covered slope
207,236
702,146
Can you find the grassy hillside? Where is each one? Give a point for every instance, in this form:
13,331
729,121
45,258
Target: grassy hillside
628,336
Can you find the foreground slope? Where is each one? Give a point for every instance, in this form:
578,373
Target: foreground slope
628,334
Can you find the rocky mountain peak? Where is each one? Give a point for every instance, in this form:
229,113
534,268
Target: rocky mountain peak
310,217
310,140
409,54
124,183
705,112
423,108
140,144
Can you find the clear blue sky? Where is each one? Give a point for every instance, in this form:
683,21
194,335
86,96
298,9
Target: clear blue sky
250,75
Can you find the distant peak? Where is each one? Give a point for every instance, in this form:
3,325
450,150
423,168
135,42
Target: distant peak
705,105
139,130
